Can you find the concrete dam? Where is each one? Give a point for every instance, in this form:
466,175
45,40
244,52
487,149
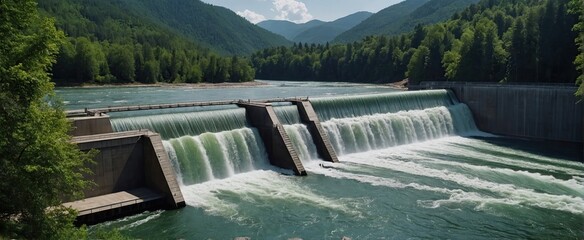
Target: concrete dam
144,160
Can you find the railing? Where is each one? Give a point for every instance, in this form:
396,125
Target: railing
97,111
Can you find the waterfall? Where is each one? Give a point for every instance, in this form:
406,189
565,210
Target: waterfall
218,144
287,115
377,131
219,155
302,142
184,124
204,145
355,106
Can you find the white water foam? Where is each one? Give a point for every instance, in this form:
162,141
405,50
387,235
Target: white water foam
451,146
251,186
510,193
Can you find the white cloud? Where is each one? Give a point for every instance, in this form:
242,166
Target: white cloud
291,10
251,16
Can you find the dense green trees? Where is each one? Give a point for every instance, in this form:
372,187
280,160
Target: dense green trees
107,44
491,41
39,166
577,8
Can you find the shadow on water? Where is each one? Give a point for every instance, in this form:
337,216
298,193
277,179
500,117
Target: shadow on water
553,149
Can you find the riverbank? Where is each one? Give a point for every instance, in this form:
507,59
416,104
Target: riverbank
173,85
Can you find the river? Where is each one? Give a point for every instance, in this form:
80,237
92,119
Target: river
412,165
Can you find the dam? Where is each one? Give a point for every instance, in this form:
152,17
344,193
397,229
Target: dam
400,158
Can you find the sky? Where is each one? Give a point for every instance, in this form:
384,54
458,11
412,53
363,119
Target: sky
300,11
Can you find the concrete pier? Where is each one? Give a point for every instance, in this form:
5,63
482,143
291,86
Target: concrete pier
89,125
280,150
323,145
131,173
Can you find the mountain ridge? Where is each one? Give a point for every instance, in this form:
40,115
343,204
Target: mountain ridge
212,26
403,17
328,31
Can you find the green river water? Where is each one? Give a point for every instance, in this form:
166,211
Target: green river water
412,165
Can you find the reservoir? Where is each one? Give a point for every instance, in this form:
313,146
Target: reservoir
412,164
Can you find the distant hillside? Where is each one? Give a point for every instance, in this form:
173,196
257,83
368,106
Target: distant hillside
107,42
498,41
215,27
328,31
403,17
374,24
288,29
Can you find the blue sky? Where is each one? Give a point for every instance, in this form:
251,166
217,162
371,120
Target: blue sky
300,10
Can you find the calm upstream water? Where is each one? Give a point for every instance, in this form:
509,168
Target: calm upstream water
413,165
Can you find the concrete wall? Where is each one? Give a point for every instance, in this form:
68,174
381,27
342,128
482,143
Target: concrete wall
91,125
525,111
321,140
130,160
159,171
116,164
277,143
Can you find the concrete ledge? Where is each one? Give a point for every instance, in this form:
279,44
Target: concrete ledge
127,161
91,125
115,205
161,175
319,136
276,140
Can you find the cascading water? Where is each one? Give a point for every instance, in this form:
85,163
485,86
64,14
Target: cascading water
359,134
184,124
204,145
287,115
363,123
220,155
356,106
302,142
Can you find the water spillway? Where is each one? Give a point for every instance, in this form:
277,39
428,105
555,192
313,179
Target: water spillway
218,144
220,155
204,145
184,124
442,185
355,106
363,123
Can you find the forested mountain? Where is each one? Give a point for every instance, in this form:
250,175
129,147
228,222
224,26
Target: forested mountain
328,31
491,41
403,17
288,29
107,43
216,27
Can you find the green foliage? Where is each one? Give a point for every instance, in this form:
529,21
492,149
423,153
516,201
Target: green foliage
491,41
39,166
577,8
108,42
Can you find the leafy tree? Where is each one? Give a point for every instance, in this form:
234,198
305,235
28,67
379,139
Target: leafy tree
39,166
418,65
121,62
577,7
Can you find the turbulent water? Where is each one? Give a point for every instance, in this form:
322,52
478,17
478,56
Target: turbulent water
412,165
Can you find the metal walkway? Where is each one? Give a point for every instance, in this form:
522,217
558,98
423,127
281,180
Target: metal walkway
97,111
